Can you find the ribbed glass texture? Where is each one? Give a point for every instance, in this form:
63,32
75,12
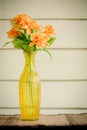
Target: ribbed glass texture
29,89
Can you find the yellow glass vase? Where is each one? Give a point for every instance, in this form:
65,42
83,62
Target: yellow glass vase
29,89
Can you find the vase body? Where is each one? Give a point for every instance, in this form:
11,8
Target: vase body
29,89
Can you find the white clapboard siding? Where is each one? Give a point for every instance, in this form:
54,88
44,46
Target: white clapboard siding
69,34
0,18
56,97
0,10
64,77
45,8
64,64
53,94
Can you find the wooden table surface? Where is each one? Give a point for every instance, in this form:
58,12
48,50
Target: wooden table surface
64,120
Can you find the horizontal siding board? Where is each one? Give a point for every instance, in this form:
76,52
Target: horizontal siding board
54,95
69,34
10,111
66,64
64,94
45,8
9,94
0,9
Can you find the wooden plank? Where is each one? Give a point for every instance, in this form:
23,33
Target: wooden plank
76,119
3,119
46,120
11,121
45,8
85,116
69,34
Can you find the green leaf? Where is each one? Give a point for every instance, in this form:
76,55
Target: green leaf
52,39
6,43
47,52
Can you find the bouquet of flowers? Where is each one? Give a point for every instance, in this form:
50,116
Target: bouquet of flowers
27,35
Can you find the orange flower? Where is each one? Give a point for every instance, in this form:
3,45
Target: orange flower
21,21
24,22
49,30
39,39
12,33
33,25
26,34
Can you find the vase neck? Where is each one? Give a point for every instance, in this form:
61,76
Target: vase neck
30,58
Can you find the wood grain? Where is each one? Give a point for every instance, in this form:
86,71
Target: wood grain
46,120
